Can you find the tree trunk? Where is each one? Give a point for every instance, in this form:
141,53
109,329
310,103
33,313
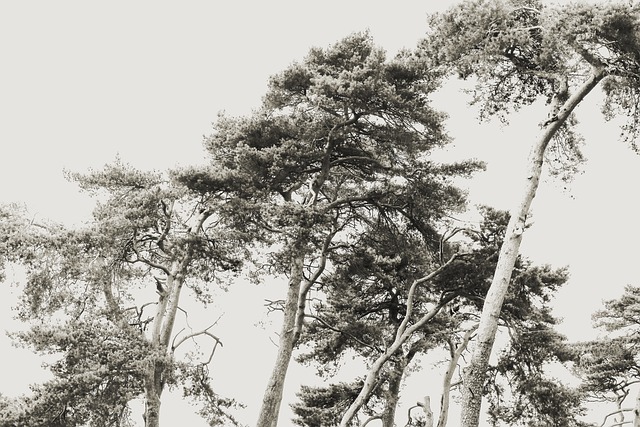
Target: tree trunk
403,334
392,396
428,413
160,337
636,411
456,353
474,374
270,409
153,386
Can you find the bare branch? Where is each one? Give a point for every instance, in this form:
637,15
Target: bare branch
140,258
619,411
371,418
275,305
412,291
409,419
206,332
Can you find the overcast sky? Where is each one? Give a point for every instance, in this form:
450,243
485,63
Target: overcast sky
83,82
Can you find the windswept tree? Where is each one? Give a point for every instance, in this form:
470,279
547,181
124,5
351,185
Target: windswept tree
519,52
341,133
106,296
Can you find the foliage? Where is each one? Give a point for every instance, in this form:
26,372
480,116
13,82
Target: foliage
345,130
98,374
323,406
521,51
366,301
610,366
533,397
95,286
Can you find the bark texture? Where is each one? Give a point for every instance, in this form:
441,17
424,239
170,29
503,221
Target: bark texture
475,373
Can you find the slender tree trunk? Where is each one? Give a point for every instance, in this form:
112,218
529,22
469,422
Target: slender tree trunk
164,320
270,409
448,377
153,386
404,332
636,411
474,374
392,396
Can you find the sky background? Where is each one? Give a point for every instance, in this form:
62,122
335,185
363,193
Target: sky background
84,82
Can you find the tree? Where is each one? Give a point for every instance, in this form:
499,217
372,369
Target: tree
363,312
610,367
150,238
343,132
519,391
521,51
99,373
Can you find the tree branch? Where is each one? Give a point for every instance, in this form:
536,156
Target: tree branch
412,290
371,418
206,332
619,411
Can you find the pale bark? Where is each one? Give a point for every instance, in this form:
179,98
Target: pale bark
270,409
474,374
403,334
428,413
445,400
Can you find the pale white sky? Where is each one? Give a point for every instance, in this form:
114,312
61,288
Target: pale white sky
82,82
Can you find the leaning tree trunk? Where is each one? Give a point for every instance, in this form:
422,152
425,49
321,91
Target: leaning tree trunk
475,373
270,409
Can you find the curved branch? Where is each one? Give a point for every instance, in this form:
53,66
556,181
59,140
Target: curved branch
619,411
409,419
412,291
206,332
371,418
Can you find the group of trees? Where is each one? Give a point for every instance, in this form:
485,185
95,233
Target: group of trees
330,186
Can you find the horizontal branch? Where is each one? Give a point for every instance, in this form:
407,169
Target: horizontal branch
206,332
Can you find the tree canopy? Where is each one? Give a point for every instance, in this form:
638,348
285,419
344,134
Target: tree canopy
331,187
